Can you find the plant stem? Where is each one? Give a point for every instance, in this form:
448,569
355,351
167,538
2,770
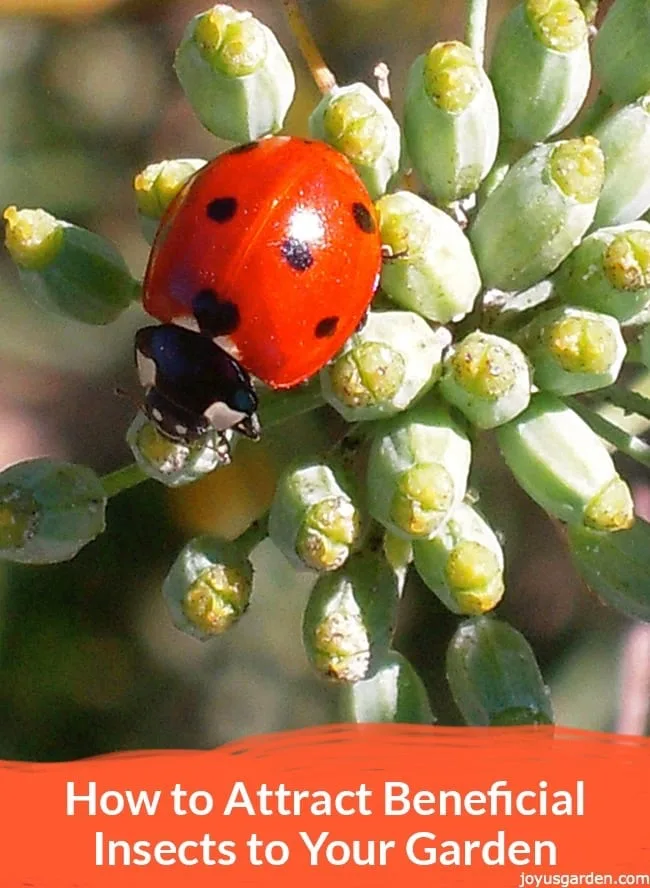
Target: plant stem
631,402
509,151
254,535
123,479
136,295
323,77
475,29
634,355
276,408
595,114
628,444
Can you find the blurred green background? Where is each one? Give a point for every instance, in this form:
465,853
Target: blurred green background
89,662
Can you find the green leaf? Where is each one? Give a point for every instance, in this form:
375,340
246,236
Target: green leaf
616,566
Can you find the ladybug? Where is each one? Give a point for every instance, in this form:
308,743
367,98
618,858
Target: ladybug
263,265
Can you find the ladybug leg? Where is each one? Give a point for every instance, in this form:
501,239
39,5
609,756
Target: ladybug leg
249,426
387,254
192,384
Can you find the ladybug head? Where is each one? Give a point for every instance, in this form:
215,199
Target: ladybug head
192,385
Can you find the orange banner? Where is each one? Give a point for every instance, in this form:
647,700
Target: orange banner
367,804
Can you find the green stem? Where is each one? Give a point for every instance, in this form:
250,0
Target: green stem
475,29
123,479
634,353
136,295
597,111
509,151
630,445
276,408
631,402
257,532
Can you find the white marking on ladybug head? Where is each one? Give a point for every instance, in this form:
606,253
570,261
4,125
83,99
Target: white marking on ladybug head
223,417
189,322
146,370
226,343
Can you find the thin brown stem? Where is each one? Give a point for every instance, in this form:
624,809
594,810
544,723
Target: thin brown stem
323,77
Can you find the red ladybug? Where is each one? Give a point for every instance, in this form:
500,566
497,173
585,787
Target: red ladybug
264,264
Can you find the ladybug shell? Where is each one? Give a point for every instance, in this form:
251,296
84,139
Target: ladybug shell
274,245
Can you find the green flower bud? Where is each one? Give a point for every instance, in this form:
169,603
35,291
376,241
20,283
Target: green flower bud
615,566
463,563
417,471
565,467
313,521
494,677
349,619
395,694
431,269
235,74
486,377
208,587
384,367
360,125
621,51
66,269
538,213
451,121
541,68
573,350
609,272
157,185
398,552
49,510
173,463
625,141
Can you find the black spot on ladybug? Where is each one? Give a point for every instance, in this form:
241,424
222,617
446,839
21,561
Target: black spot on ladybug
245,148
297,254
363,218
326,327
215,316
221,209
